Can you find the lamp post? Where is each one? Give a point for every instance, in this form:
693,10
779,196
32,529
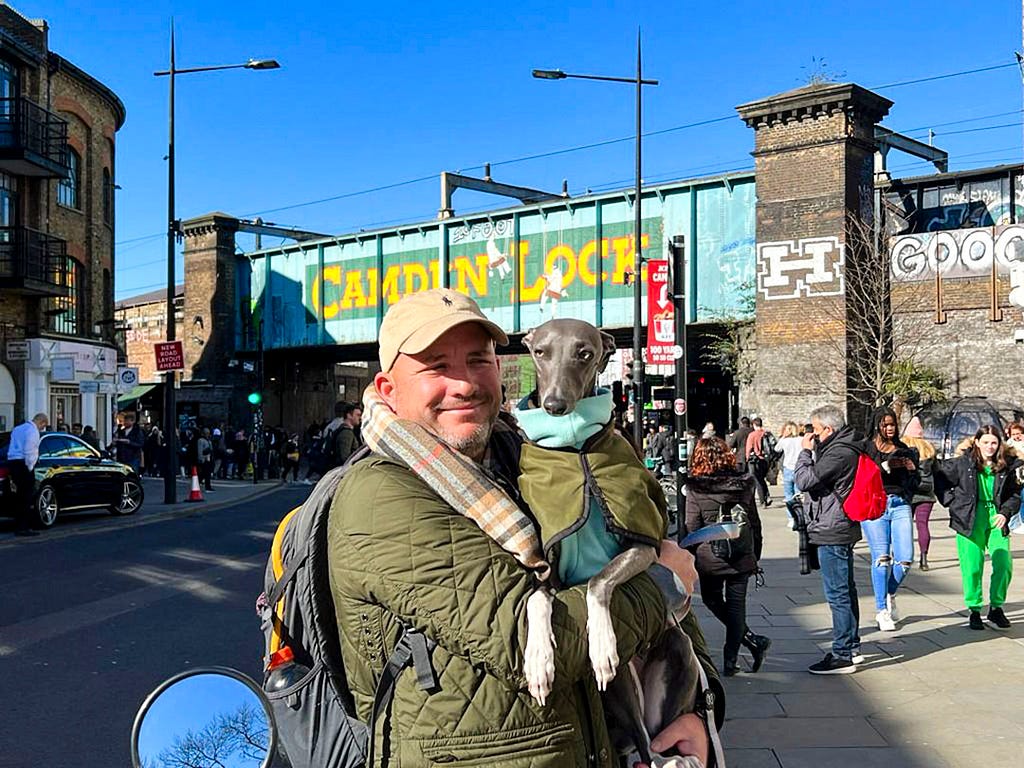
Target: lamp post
638,365
170,396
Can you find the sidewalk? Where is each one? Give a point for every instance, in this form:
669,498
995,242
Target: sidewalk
224,492
933,693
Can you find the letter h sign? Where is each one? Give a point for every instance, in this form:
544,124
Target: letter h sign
812,266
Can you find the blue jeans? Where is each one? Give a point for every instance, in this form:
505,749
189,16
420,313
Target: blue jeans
891,541
841,593
789,489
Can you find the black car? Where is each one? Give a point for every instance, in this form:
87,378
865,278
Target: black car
72,475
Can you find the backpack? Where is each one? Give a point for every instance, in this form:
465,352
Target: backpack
316,716
731,550
768,447
867,498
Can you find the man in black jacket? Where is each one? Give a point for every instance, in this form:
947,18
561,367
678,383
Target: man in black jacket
738,442
824,472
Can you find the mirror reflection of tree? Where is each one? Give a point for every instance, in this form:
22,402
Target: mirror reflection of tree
239,738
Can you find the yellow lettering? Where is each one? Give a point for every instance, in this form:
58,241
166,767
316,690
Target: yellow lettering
372,281
623,247
527,293
562,253
354,293
389,285
332,275
435,273
465,274
583,263
412,272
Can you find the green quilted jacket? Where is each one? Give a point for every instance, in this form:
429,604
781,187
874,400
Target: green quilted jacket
397,552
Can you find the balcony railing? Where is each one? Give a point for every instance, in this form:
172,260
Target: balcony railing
33,140
33,262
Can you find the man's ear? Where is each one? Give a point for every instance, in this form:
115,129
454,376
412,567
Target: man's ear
384,384
528,339
608,342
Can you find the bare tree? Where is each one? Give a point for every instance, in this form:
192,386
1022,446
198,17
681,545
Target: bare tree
731,347
242,733
880,363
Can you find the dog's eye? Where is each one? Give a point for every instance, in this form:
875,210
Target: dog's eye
538,352
586,355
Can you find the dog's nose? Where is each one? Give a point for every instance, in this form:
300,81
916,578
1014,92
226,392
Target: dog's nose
556,406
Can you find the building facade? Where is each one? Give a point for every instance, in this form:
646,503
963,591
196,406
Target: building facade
57,213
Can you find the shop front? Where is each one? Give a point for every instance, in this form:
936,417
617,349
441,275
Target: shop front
73,383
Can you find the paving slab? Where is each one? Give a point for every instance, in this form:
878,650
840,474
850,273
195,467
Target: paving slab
802,732
860,757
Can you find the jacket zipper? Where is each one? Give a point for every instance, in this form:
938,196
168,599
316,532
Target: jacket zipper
588,728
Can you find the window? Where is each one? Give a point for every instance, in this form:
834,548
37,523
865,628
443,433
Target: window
108,197
67,189
53,446
66,314
79,450
8,101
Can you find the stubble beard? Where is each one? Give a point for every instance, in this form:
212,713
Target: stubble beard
472,445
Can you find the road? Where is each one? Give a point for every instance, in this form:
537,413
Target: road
92,620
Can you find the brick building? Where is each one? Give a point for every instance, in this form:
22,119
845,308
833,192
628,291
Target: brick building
57,138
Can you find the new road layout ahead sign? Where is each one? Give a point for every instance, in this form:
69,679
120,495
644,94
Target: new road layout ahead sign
170,355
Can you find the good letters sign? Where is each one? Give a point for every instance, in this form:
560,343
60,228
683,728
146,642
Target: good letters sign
169,356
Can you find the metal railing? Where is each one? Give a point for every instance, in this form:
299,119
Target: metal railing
25,124
34,260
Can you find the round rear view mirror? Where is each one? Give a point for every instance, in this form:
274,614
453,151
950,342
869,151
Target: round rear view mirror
207,718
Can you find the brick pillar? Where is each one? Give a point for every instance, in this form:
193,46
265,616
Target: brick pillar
813,150
208,326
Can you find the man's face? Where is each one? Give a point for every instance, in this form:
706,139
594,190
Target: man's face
453,388
355,418
820,431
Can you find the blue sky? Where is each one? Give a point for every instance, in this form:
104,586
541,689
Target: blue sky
371,95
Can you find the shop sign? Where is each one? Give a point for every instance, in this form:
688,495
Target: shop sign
17,350
107,388
62,368
661,324
89,387
127,378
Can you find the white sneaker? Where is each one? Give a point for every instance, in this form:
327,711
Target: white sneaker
884,620
890,601
858,658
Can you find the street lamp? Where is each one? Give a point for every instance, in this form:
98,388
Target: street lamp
638,366
170,396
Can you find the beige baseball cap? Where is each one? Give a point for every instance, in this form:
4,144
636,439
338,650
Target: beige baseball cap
417,320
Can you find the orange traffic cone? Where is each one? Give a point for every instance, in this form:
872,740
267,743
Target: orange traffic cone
195,494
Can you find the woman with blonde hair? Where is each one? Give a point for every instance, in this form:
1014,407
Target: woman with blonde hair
717,492
789,446
924,496
980,489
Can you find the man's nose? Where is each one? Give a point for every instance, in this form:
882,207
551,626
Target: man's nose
556,406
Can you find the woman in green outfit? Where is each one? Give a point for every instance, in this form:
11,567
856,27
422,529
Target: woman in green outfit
981,491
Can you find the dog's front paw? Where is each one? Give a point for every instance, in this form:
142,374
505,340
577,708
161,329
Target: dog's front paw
539,656
604,653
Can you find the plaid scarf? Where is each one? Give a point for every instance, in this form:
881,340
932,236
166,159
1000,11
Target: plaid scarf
460,482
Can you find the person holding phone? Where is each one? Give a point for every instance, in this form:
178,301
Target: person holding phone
981,490
891,537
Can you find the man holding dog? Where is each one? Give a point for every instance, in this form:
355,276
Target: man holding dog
825,471
402,552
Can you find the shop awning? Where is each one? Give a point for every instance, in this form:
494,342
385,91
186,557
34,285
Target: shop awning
134,394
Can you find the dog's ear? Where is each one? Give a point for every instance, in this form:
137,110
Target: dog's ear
608,341
528,339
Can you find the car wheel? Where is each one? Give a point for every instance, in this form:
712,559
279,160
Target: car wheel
131,498
47,506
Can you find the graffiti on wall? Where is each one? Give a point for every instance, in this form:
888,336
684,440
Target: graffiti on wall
811,266
956,253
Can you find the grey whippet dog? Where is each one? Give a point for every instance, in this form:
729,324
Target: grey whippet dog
568,355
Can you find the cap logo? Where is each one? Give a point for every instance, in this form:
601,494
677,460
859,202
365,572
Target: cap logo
447,301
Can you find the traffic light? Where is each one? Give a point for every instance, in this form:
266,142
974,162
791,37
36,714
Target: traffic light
255,398
620,398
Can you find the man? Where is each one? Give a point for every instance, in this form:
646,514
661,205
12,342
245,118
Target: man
757,461
22,454
824,473
400,554
129,441
345,439
738,442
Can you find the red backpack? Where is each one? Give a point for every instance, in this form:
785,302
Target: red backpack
867,498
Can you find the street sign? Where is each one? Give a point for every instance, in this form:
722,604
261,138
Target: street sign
170,355
17,350
127,378
88,387
661,323
679,406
